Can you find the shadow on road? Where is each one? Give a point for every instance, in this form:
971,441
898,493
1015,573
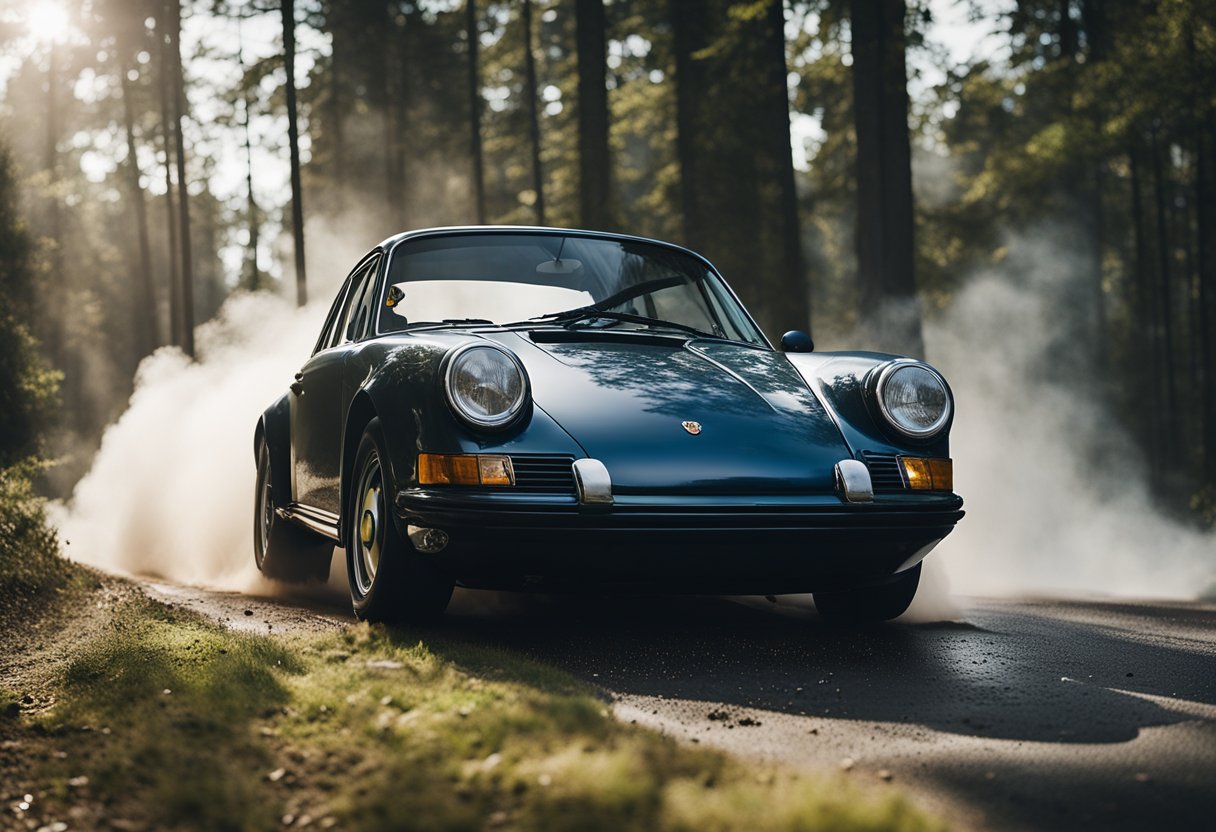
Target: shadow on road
1037,701
1020,673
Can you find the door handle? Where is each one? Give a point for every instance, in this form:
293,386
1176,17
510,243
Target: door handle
296,386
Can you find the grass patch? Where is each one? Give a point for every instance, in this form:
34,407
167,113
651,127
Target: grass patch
182,724
10,703
166,708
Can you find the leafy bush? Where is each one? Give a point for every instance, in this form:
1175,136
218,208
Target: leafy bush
28,393
29,549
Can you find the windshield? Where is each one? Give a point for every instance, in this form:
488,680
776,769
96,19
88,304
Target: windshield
571,281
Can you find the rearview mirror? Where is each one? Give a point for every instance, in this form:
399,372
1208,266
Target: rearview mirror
797,341
566,266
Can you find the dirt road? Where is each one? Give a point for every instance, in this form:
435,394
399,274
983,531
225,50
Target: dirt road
1033,714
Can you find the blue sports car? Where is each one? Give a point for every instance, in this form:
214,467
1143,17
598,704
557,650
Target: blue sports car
554,410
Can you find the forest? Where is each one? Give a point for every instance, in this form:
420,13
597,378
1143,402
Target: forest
851,168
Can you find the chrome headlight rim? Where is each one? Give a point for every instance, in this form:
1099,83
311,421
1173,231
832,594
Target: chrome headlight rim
886,373
502,421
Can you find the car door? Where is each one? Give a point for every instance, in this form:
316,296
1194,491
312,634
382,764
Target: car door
319,399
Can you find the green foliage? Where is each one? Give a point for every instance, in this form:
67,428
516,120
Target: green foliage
28,393
27,387
16,249
29,551
30,565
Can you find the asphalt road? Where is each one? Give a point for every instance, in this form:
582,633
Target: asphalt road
1029,714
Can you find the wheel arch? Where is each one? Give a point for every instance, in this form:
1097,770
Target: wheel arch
274,430
359,415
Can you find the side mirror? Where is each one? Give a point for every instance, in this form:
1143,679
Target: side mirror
797,341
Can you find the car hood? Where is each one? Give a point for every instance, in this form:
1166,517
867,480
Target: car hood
624,400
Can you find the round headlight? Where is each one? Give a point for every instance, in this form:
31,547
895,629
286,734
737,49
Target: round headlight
914,399
485,385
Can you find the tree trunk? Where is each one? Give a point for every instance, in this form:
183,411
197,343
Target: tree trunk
595,197
1205,221
338,92
52,156
166,131
1204,300
1069,35
1181,220
144,297
394,124
287,8
1147,317
538,179
1165,319
183,200
255,271
1097,239
890,308
406,72
51,159
251,206
57,336
689,37
790,290
473,36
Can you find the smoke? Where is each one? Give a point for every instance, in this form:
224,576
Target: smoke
1057,495
170,491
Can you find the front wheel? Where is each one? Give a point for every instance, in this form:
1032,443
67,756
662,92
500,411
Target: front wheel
389,580
281,549
871,603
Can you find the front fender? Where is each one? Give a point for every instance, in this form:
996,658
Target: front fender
842,381
401,386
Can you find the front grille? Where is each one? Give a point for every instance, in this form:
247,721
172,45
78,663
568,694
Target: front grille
884,472
544,473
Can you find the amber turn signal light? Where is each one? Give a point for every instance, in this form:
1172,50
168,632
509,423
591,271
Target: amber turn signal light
464,469
928,474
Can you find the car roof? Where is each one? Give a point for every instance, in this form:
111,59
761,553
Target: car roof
437,231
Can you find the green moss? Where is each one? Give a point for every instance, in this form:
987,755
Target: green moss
447,736
170,704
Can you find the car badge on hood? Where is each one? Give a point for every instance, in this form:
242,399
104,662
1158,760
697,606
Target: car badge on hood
692,427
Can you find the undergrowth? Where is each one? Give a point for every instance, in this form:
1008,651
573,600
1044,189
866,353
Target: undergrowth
30,563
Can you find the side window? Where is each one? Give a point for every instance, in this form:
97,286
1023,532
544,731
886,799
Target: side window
362,322
331,320
349,331
335,336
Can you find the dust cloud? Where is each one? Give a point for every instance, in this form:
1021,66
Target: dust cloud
170,490
1057,495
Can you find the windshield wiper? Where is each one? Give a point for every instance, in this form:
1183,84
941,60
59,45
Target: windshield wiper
446,322
570,317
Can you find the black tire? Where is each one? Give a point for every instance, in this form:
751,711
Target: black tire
389,580
281,549
871,603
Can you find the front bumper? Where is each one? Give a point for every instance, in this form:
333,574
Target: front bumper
703,545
